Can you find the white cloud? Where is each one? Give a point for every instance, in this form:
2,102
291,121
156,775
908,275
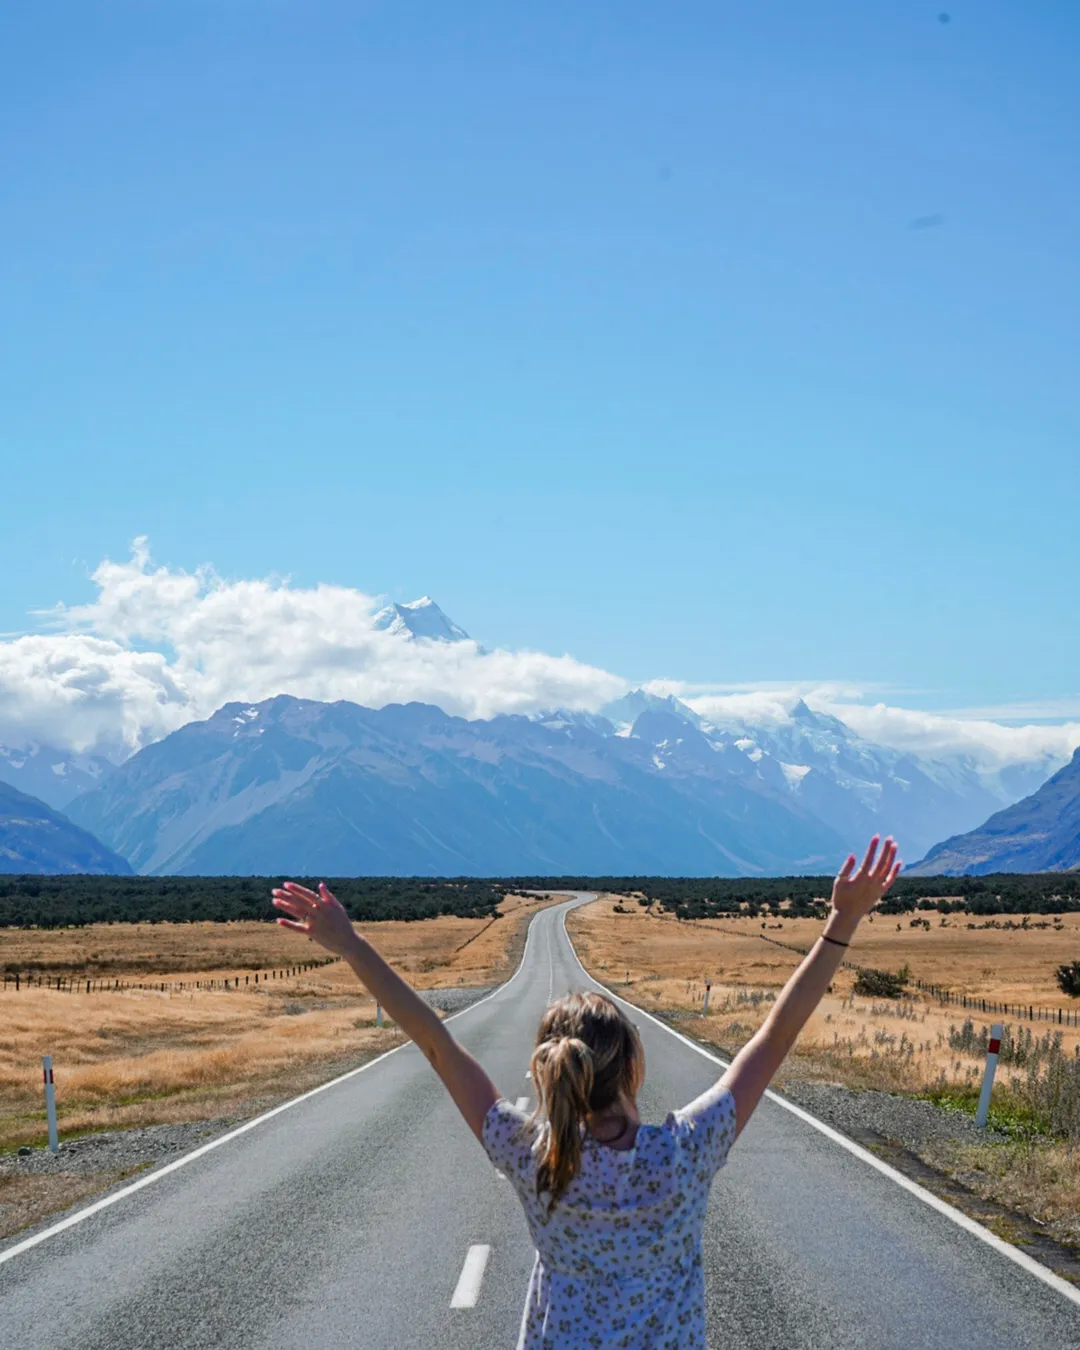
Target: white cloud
945,735
82,692
160,647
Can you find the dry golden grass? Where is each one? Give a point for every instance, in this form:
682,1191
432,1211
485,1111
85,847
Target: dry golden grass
669,961
886,1045
132,951
142,1057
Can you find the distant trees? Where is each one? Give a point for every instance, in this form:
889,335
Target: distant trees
804,897
73,901
70,901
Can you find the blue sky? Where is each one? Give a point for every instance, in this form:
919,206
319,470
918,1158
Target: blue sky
725,342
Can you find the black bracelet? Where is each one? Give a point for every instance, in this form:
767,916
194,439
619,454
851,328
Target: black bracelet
835,941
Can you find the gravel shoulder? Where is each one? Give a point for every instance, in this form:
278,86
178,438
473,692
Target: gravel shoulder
924,1141
908,1121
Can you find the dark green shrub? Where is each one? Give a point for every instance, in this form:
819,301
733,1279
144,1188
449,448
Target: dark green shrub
871,983
1068,978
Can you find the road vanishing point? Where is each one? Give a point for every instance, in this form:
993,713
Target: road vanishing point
366,1214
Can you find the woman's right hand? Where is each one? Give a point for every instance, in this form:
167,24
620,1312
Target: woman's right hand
321,916
856,893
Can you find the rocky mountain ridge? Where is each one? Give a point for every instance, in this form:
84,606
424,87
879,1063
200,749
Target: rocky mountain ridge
1040,833
35,838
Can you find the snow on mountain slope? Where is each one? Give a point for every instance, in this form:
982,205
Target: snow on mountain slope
854,786
419,619
52,775
799,782
624,712
406,789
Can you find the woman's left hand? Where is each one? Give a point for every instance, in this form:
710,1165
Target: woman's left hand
320,915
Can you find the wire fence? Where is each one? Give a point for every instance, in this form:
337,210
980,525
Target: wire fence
1028,1012
16,981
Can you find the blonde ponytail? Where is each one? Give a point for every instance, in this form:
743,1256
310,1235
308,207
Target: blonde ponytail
562,1070
587,1058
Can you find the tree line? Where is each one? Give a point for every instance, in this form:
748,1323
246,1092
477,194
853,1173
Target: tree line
803,897
73,901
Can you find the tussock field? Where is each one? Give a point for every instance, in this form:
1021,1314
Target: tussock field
141,1057
912,1046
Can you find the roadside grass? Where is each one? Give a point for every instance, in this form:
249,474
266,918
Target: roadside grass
1030,1161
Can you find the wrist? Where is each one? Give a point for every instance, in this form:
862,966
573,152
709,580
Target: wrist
355,951
840,927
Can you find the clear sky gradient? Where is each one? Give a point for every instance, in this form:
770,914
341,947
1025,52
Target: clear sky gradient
729,342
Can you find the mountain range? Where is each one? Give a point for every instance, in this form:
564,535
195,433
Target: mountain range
646,785
648,788
407,789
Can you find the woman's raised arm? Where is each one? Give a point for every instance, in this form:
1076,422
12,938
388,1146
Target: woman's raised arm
854,894
322,918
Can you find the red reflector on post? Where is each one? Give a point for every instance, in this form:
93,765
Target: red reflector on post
993,1047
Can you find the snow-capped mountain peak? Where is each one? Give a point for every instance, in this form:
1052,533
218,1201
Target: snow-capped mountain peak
419,619
624,712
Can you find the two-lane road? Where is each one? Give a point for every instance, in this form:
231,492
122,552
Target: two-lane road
347,1219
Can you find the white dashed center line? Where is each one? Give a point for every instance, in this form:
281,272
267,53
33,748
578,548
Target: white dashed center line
472,1272
521,1104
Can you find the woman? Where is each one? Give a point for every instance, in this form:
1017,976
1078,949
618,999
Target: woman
615,1207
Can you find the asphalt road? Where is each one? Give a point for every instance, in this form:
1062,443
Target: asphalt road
346,1221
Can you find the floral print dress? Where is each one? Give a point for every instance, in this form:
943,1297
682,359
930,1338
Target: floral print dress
618,1260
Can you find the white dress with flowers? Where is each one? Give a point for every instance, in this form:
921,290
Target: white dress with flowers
618,1259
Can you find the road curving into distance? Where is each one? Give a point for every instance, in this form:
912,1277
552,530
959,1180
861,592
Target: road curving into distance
366,1214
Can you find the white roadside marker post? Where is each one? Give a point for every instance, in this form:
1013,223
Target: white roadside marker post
705,1009
50,1103
992,1051
378,1014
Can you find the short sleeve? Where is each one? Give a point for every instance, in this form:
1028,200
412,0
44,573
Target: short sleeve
706,1128
508,1138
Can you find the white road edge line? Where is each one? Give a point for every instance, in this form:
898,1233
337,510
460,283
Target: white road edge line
151,1177
1014,1254
472,1272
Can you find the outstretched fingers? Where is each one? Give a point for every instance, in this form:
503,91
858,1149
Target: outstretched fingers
893,874
301,892
885,862
291,923
847,868
290,906
868,861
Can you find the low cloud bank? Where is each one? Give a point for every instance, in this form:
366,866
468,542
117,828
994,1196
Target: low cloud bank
159,647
